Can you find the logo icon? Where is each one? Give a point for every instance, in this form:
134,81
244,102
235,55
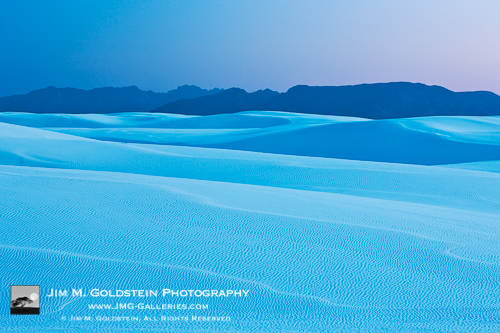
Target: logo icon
25,300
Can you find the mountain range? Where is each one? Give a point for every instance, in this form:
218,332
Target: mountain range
374,101
99,100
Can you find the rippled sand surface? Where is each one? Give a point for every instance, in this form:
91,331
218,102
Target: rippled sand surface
321,243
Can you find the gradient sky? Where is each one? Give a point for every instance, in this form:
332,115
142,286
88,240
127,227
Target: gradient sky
251,44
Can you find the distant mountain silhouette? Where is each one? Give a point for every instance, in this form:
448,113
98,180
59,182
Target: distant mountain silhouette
375,101
99,100
228,101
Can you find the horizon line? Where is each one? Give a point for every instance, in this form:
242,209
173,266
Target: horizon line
248,91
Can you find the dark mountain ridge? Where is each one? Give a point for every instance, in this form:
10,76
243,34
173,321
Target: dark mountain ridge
98,100
375,101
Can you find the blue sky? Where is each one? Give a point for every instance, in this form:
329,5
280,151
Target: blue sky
255,44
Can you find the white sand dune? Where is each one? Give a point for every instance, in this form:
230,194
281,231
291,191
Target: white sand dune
424,184
491,166
116,120
323,244
173,129
424,141
339,256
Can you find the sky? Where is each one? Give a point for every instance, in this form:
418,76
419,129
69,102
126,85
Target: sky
252,44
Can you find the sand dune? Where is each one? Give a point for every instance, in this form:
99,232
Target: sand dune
424,184
424,141
334,259
323,244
